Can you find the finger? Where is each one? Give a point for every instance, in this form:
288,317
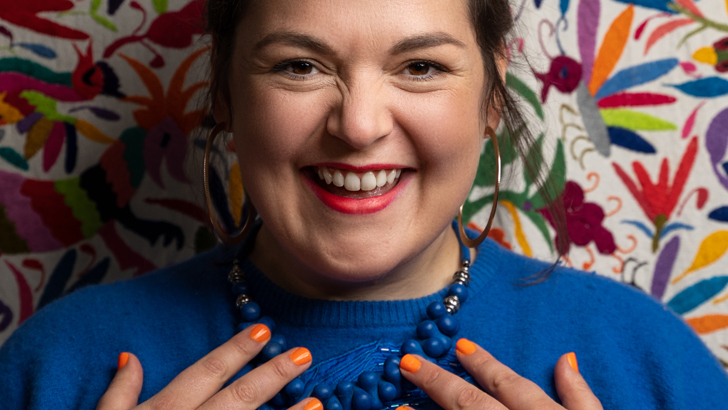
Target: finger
196,384
262,383
445,388
123,392
308,404
573,390
514,391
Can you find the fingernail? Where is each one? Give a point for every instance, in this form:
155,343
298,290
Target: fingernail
465,347
260,333
404,408
300,356
571,357
314,404
410,363
123,360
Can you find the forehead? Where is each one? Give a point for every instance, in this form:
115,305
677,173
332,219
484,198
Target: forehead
357,23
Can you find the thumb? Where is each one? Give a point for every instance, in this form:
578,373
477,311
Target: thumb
573,390
123,392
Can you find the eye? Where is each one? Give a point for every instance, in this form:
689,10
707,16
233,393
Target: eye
296,69
419,68
423,70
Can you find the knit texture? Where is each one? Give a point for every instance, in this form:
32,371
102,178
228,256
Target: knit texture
633,352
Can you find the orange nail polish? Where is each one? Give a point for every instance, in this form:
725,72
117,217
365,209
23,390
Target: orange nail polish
260,333
465,347
410,363
403,408
314,404
300,356
123,360
571,357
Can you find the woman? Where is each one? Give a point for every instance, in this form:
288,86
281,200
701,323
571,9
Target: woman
358,128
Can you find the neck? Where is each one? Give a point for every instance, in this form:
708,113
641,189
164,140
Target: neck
426,273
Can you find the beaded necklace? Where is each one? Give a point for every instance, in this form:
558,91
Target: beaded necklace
371,389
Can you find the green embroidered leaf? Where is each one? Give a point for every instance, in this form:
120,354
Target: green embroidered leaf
12,156
535,158
160,6
95,4
104,22
635,121
525,91
556,179
485,175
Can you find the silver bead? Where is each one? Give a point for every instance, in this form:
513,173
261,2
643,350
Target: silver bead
462,277
452,304
242,300
466,264
236,275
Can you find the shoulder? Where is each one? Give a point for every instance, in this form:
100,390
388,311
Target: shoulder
72,343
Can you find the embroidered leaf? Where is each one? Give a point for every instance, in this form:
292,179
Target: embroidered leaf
651,4
6,316
5,32
716,143
160,6
12,156
59,278
93,276
642,227
95,4
37,137
697,294
708,323
53,146
102,113
719,214
689,6
555,179
630,140
611,49
690,122
627,99
71,148
38,49
588,23
525,91
710,250
633,120
704,87
104,22
663,267
113,6
665,29
533,157
26,295
674,226
636,75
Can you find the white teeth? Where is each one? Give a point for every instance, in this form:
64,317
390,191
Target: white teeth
392,175
338,178
352,182
381,178
368,181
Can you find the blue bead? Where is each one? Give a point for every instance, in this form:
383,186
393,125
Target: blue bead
436,309
368,380
268,321
250,311
434,347
387,391
333,404
361,400
446,342
271,350
448,325
426,329
240,288
281,340
458,290
323,391
295,388
278,400
412,347
345,391
242,326
391,370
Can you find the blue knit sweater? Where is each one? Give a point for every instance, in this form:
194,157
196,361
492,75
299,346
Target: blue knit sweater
633,352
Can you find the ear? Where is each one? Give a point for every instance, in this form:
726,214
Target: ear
502,66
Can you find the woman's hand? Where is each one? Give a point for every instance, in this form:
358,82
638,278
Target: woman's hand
504,389
199,385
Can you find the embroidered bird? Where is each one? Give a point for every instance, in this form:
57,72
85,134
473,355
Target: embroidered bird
715,55
45,215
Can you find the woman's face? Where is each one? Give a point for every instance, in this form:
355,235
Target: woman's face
358,127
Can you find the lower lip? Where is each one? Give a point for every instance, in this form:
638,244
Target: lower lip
353,205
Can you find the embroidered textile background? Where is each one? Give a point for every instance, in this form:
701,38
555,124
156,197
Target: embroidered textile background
99,164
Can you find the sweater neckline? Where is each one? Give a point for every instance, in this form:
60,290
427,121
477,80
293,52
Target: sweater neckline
296,310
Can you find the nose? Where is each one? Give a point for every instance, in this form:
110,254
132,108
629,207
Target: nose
361,118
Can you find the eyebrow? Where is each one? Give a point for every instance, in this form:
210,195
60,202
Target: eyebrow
312,43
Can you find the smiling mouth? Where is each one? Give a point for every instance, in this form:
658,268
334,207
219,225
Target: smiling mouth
355,185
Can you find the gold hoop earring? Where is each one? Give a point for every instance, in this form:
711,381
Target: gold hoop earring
473,243
221,233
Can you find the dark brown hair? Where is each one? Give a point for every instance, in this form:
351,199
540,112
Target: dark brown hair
493,25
